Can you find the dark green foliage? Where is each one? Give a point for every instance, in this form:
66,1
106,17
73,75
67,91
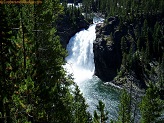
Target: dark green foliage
7,67
74,14
122,8
151,106
101,116
81,116
125,108
124,46
33,84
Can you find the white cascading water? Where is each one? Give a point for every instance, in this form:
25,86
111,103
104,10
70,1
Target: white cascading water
80,60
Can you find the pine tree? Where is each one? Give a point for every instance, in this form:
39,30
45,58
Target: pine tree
124,45
125,108
7,66
156,39
145,28
151,106
23,97
81,115
147,52
102,115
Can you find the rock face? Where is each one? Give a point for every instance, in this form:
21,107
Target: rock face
126,39
66,29
107,51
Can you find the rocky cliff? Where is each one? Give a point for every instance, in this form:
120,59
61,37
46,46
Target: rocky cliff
106,48
125,51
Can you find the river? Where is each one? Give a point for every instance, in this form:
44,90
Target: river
80,63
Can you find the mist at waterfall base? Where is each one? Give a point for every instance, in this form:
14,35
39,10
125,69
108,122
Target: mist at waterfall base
80,62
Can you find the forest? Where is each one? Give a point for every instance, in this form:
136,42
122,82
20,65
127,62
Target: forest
34,86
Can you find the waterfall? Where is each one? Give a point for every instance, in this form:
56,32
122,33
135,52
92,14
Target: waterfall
80,63
80,60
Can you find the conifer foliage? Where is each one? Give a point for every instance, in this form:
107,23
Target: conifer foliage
151,106
34,87
100,116
125,108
